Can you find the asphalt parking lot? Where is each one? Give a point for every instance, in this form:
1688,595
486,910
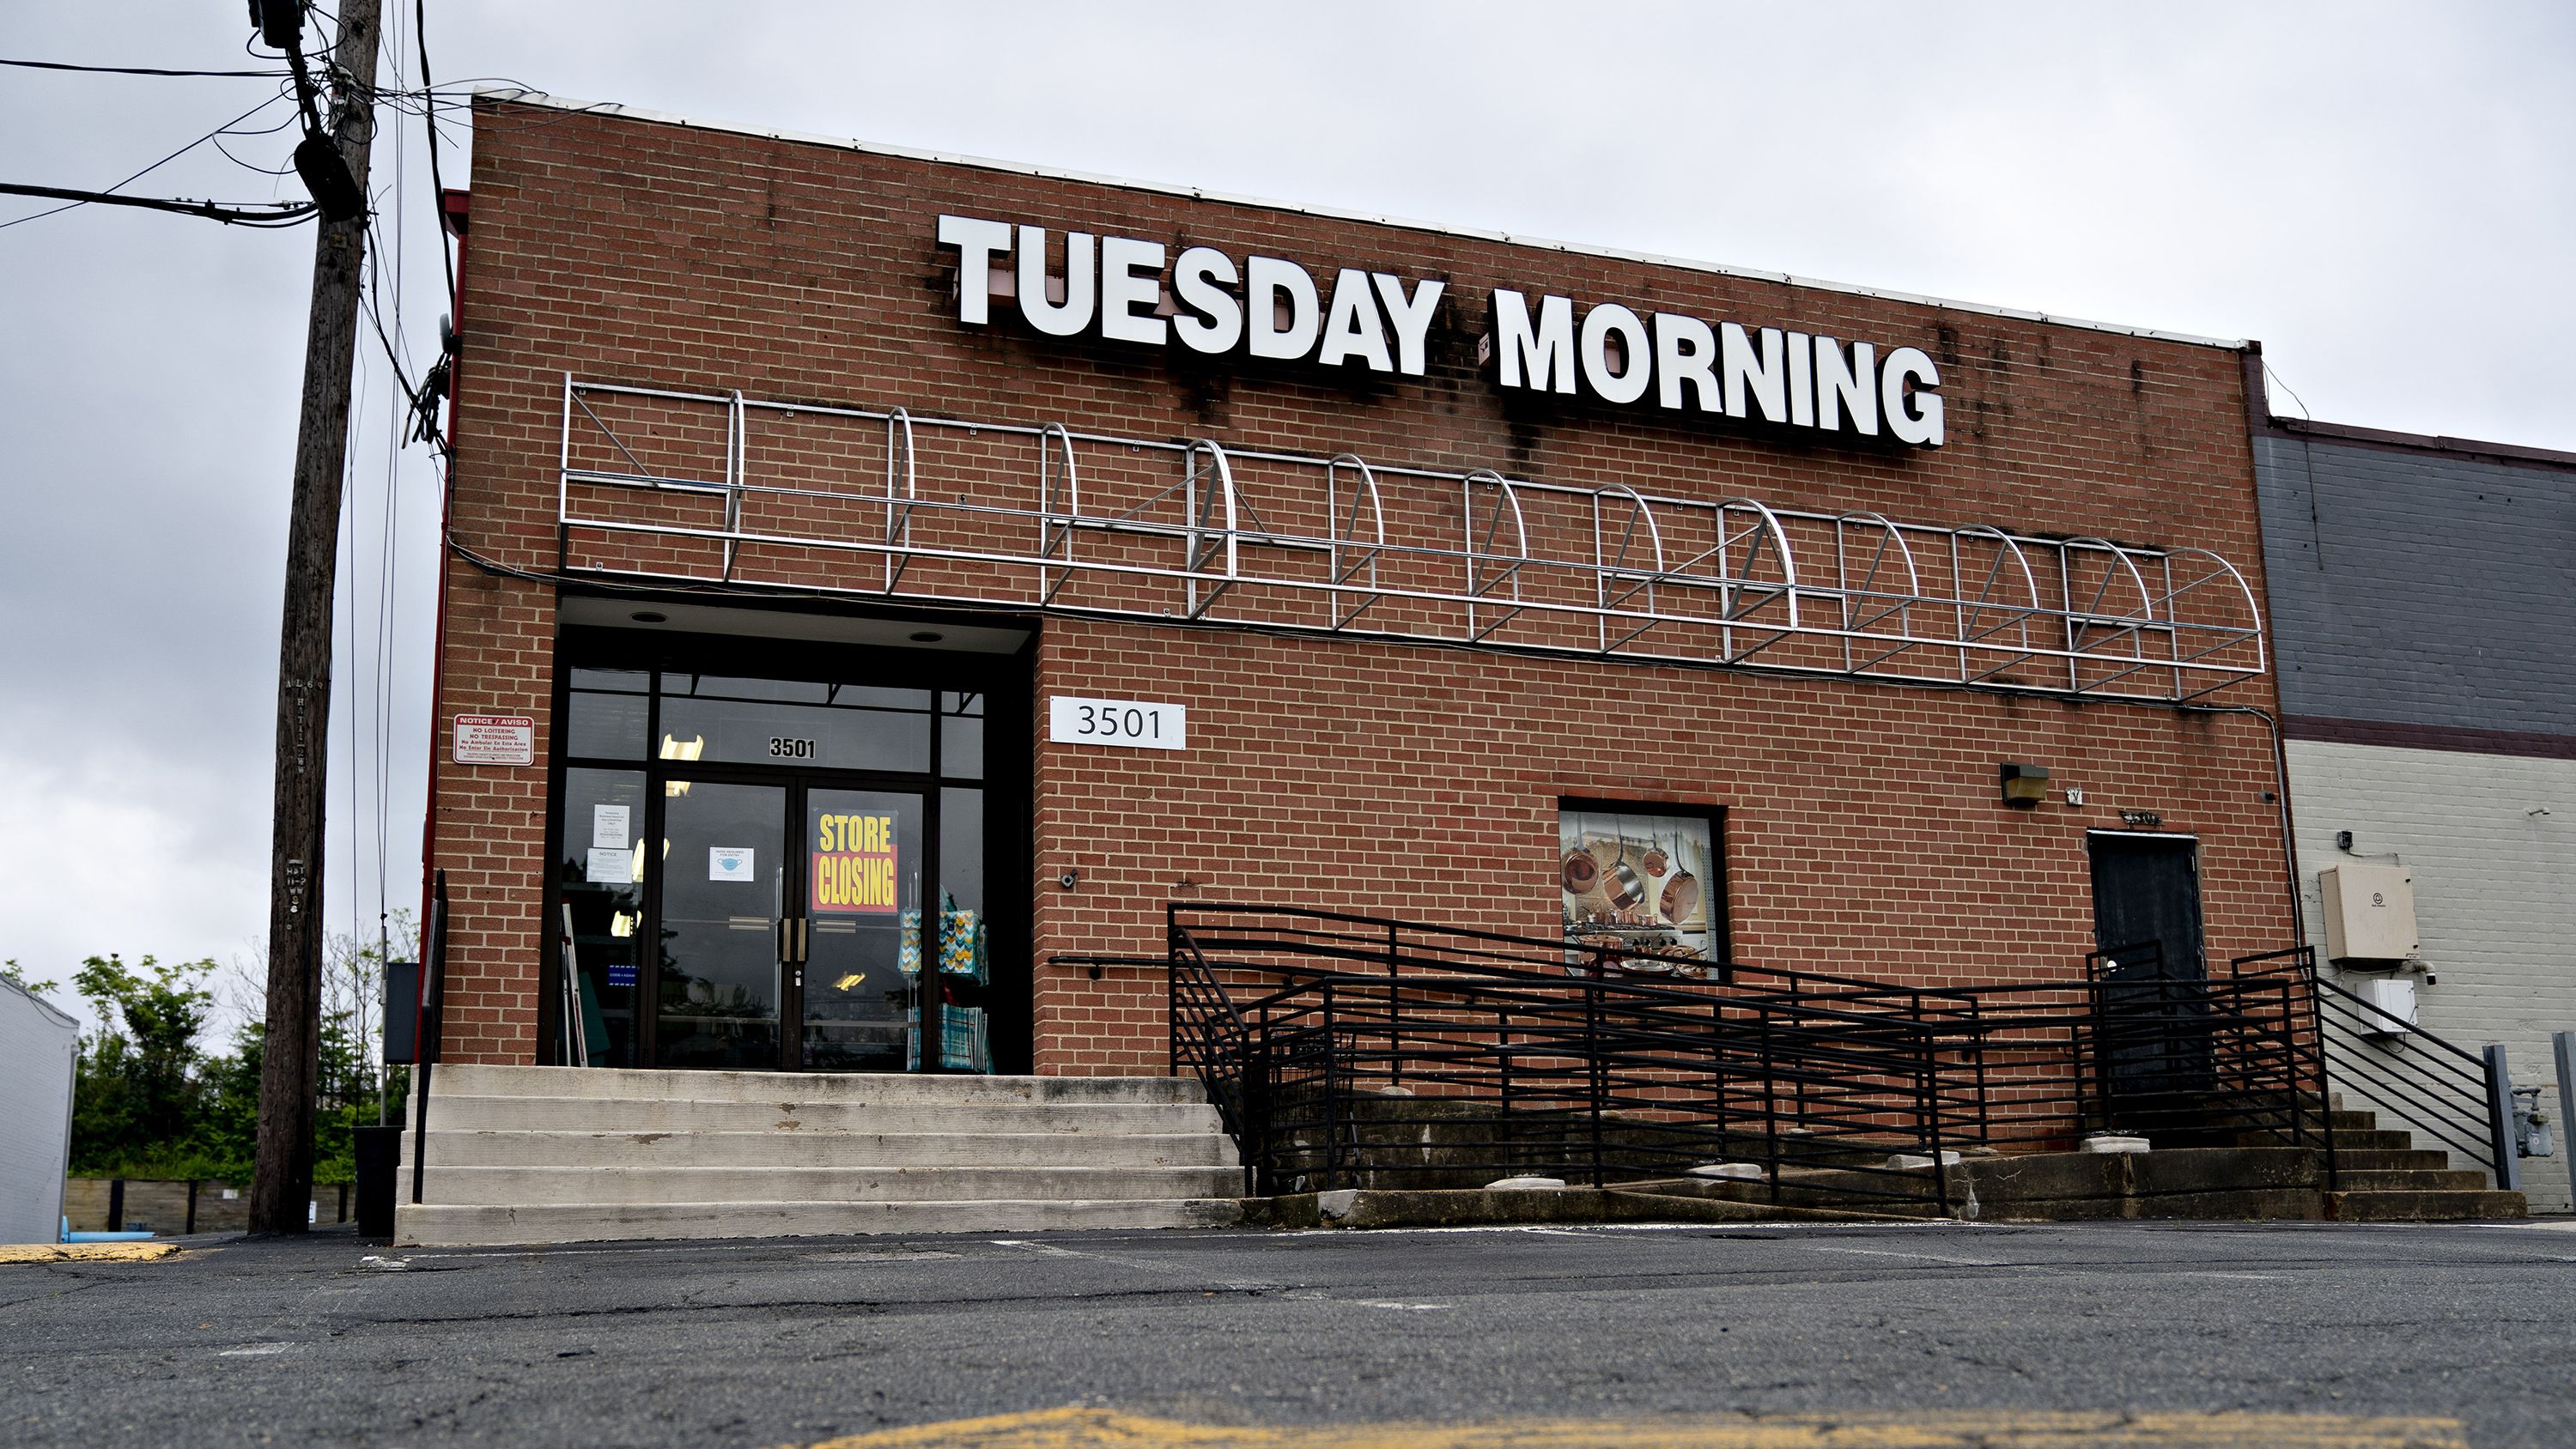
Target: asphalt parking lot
794,1341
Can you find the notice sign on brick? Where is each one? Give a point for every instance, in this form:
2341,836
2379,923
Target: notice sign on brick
493,739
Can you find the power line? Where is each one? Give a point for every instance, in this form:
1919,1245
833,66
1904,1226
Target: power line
225,129
261,214
429,117
144,70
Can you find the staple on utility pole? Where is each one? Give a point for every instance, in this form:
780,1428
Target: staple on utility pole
282,1181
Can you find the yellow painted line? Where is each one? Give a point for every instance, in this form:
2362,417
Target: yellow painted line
1081,1428
85,1252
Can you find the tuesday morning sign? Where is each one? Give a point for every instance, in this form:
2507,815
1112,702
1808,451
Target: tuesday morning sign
1137,292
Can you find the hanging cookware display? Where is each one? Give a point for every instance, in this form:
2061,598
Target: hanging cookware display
1680,898
1581,873
1620,882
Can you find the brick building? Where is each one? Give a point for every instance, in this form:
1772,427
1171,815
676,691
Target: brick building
861,556
2425,600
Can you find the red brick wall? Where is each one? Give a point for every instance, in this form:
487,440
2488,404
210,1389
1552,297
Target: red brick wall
1864,832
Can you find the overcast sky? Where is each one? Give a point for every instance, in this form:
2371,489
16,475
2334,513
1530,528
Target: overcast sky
2384,196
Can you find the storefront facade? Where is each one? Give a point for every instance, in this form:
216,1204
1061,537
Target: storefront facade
872,568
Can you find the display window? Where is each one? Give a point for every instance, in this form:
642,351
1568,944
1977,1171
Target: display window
1644,878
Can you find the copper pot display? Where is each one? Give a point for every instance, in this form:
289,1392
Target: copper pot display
1582,872
1681,897
1622,886
1634,903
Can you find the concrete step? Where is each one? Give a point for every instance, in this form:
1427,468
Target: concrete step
2364,1139
2424,1207
451,1225
693,1114
2383,1159
806,1148
507,1186
477,1080
2351,1179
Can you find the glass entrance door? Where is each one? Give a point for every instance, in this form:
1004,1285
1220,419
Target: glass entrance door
860,940
725,883
806,861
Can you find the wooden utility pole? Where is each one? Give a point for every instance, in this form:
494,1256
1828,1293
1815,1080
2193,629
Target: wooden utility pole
282,1180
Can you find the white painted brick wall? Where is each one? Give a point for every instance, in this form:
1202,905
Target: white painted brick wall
2491,840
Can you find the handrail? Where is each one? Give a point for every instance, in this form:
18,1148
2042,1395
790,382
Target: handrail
433,1021
2449,1093
1342,1046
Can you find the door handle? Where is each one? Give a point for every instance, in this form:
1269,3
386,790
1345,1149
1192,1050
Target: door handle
803,942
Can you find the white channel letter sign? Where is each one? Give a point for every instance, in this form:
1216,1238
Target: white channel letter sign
493,739
1121,289
1136,724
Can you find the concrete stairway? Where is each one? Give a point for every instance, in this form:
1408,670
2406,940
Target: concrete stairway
562,1154
2383,1177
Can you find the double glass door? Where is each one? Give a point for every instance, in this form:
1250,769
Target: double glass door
784,912
749,866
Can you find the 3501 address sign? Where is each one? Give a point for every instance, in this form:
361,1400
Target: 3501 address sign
1136,724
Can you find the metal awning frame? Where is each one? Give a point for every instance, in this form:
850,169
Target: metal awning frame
1725,581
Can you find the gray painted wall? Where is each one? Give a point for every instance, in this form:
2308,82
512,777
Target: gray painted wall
2420,588
37,1048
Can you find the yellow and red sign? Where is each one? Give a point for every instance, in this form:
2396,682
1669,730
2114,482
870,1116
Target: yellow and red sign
854,865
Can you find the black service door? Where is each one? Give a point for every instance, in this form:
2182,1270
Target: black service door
2154,1028
2147,889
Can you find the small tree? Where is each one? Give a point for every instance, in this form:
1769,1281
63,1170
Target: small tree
137,1095
149,1102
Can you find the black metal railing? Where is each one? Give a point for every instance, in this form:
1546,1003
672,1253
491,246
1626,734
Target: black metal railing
433,1016
1348,1050
2441,1093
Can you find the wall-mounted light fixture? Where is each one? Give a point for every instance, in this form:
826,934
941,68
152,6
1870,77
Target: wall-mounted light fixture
2023,785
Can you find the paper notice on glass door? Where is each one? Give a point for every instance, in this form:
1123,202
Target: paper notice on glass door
730,862
608,827
611,867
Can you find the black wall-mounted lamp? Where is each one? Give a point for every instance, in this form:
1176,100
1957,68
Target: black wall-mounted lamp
2023,786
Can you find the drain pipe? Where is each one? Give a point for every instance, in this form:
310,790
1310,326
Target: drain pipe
2281,793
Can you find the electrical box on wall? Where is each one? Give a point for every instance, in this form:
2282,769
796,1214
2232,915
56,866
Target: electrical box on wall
2393,998
2370,912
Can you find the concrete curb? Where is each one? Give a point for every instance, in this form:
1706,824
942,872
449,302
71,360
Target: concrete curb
1488,1207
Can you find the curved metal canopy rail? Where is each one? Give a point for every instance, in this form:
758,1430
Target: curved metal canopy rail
659,485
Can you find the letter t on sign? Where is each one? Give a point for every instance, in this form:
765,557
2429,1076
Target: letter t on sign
976,242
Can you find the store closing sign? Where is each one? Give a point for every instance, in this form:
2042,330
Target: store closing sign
1122,289
855,867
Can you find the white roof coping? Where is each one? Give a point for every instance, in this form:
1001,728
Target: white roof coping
637,113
